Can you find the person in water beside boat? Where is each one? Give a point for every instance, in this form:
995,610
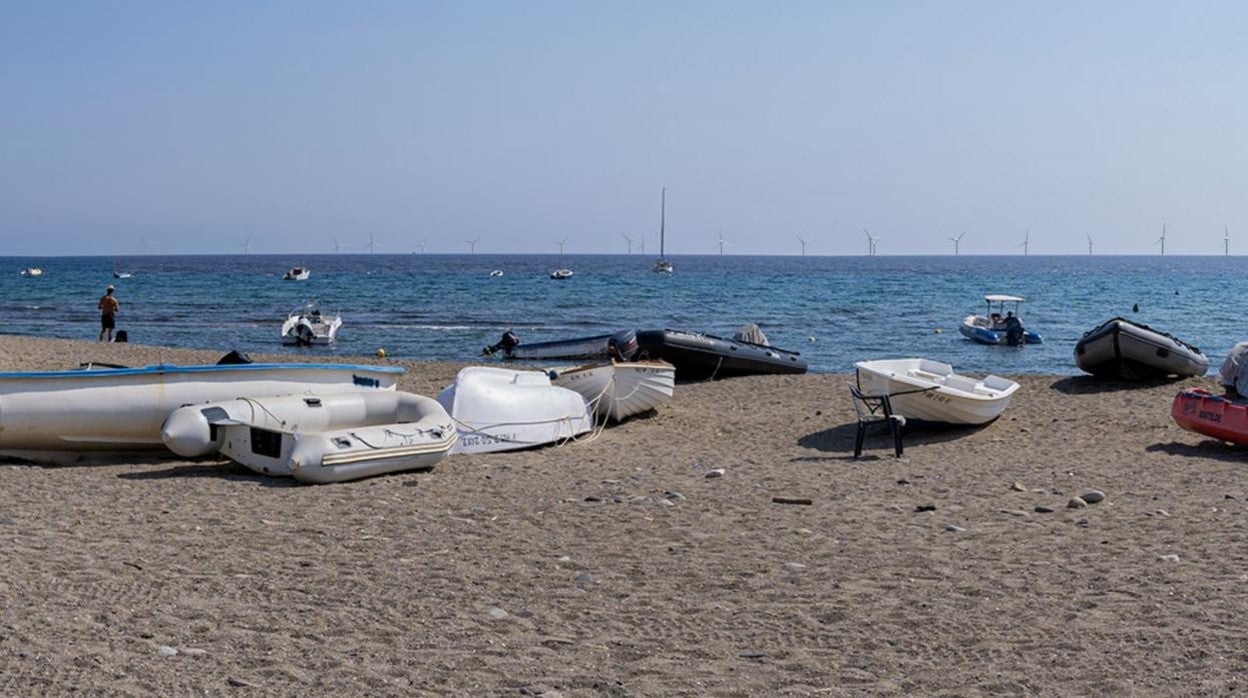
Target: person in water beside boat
109,307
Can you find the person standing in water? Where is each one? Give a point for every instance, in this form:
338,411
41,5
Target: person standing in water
109,307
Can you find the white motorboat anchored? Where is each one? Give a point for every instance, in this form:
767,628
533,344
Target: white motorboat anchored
496,273
330,438
499,409
308,325
297,274
31,271
662,265
931,391
123,409
561,274
619,390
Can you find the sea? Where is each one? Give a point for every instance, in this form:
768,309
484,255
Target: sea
834,310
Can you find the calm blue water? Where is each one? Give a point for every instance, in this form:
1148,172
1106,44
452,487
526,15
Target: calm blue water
446,307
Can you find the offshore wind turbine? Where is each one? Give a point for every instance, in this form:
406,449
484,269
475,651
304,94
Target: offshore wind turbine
872,242
472,245
721,243
1162,240
643,244
421,245
146,244
799,239
629,241
372,244
561,243
246,245
337,246
1025,243
1089,242
1226,241
957,243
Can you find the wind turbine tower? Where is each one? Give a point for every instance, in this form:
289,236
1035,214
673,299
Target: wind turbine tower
472,245
872,242
1162,240
246,245
803,242
629,241
561,243
721,244
146,244
957,243
1025,243
1226,241
1089,243
372,244
337,246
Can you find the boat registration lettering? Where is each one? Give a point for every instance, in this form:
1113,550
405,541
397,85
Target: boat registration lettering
365,381
933,395
1210,416
485,439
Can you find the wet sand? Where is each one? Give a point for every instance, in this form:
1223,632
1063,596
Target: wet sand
615,566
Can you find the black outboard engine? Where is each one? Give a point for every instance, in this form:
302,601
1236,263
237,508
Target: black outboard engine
623,345
508,342
1014,332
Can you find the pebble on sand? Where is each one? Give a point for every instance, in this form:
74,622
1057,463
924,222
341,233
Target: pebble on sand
1092,496
496,613
1169,558
955,529
715,472
925,507
165,651
795,565
1077,503
1018,487
1042,509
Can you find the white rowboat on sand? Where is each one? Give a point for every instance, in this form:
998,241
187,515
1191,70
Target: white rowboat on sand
931,391
619,390
500,409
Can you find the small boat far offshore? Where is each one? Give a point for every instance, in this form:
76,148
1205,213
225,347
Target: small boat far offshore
999,326
662,265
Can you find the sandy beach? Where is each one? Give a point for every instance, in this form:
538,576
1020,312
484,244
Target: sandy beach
616,567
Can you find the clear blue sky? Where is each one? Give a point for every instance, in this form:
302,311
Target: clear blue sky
196,125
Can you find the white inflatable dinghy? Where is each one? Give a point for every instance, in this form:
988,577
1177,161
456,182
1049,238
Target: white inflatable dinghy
499,409
318,439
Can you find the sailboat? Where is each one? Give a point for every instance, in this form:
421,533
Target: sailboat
661,265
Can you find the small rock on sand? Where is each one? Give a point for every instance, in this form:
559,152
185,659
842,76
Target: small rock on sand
1077,503
1018,487
496,613
925,507
955,529
1092,496
165,651
714,472
1014,512
795,565
1169,558
194,651
241,683
673,495
1042,509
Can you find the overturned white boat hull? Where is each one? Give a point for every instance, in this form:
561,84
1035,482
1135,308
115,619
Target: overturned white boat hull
329,438
617,391
498,409
123,409
931,391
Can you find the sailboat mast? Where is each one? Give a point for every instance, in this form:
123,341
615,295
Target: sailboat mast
662,220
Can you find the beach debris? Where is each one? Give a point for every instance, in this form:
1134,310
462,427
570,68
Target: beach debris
193,651
166,651
1018,487
496,613
240,683
795,565
1082,523
1225,496
1014,512
610,482
955,529
673,495
591,498
1042,509
1169,558
381,353
925,507
792,500
714,472
1077,503
1092,496
753,654
584,578
413,483
903,481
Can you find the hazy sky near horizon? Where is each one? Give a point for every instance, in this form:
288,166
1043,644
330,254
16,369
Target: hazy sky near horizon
200,125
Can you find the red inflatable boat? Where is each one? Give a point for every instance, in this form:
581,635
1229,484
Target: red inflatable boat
1199,410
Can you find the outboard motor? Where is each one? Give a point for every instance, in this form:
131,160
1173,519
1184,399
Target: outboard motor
623,345
508,342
